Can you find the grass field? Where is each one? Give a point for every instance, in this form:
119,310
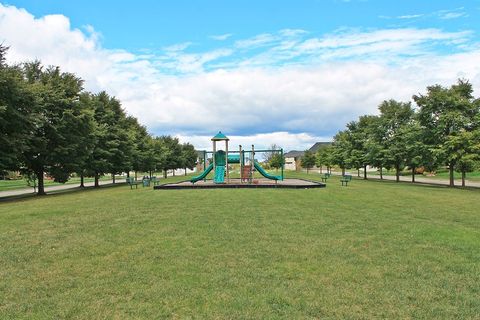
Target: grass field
369,250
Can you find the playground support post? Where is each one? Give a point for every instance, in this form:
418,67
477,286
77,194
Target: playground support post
226,160
241,163
214,151
253,160
205,163
283,161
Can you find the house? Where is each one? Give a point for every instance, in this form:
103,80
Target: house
293,158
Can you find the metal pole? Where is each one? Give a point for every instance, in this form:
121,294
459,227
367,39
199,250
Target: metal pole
241,163
253,160
214,151
226,160
205,163
283,161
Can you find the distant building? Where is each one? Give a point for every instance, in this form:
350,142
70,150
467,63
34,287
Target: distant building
293,158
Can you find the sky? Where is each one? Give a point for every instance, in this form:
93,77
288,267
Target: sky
285,72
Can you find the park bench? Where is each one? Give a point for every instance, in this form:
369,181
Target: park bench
325,177
146,182
131,182
155,181
345,179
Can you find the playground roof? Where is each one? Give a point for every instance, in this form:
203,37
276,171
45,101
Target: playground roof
220,136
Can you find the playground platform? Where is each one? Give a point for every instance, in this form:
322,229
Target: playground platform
237,184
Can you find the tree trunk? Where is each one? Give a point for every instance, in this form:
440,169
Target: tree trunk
307,170
397,173
128,174
463,178
413,174
96,180
343,171
320,169
113,177
358,172
452,180
173,172
41,185
185,171
381,173
151,174
81,181
365,172
165,174
135,175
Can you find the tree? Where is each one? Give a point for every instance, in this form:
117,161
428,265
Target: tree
276,161
171,153
55,146
324,157
341,149
308,160
394,116
359,134
466,148
189,156
16,118
444,114
417,153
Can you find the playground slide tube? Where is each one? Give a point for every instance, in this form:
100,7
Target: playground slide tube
203,174
265,173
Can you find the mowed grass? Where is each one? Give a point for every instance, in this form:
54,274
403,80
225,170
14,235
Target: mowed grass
369,250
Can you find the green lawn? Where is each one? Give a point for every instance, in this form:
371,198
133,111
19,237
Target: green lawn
369,250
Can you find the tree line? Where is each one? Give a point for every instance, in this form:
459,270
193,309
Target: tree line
442,130
51,126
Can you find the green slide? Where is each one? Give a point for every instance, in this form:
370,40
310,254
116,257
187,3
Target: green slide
203,174
219,175
265,173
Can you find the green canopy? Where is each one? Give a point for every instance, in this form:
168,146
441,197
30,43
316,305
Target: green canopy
220,136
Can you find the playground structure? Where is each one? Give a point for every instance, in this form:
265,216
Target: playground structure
221,159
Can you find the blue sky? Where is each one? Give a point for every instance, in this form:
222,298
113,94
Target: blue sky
285,72
135,25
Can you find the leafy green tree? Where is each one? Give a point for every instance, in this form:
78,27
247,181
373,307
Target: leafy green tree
446,113
394,117
16,114
55,146
323,158
143,153
417,153
171,154
276,161
341,148
189,156
308,160
98,163
466,147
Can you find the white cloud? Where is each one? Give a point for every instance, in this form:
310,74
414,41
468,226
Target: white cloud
287,141
221,37
293,90
410,16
